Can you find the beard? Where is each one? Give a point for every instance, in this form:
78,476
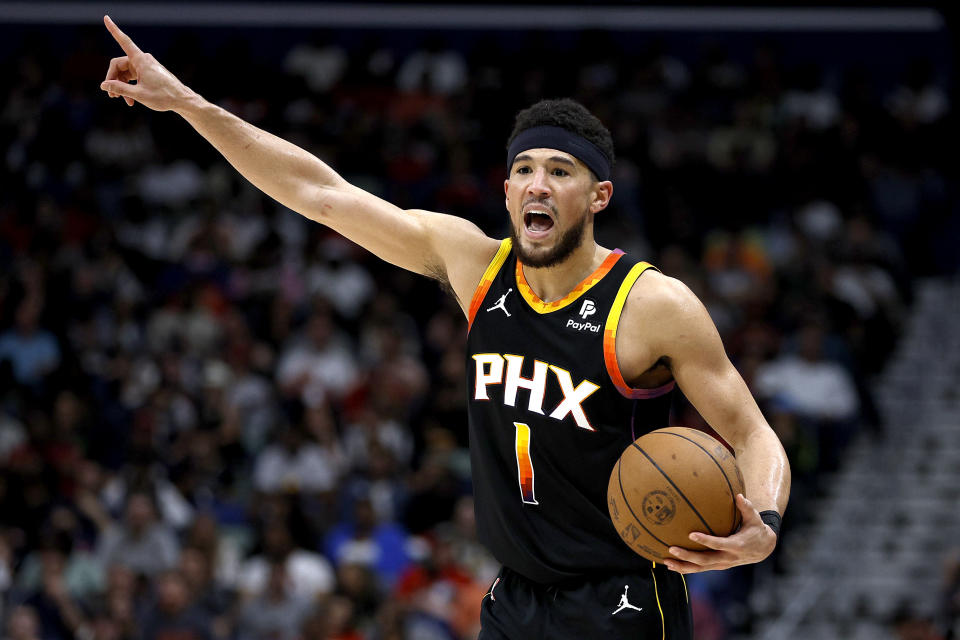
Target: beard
569,241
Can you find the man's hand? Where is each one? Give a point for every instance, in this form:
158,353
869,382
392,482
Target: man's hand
753,542
155,87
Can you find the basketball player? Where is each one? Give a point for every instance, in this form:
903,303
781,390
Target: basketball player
573,351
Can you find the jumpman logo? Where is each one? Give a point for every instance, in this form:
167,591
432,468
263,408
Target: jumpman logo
624,603
501,303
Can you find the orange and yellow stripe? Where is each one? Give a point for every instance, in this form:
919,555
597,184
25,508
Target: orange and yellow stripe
524,465
610,339
481,291
540,306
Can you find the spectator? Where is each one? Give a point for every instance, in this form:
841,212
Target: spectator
120,602
59,613
62,554
435,487
141,543
821,393
441,588
810,101
918,98
369,428
808,384
277,613
213,601
222,553
295,464
379,481
13,435
103,627
334,621
381,546
309,573
174,613
318,364
435,68
22,624
251,406
32,351
89,479
170,505
320,63
358,583
346,283
472,556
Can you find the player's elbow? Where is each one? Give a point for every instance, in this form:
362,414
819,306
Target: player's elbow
319,203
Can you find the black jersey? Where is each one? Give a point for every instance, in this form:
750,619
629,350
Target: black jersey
550,415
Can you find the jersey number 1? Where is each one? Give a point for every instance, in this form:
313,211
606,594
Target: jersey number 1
524,465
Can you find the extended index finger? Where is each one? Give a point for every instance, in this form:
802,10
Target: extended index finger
128,46
716,543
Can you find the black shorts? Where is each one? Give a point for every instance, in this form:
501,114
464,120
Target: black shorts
648,606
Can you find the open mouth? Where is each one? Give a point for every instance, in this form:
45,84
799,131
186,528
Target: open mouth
537,221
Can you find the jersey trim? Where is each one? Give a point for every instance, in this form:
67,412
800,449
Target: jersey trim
540,306
610,340
484,285
656,592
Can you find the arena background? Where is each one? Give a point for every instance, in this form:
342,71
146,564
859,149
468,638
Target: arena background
220,420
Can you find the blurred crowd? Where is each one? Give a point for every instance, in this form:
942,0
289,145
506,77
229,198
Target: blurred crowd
220,420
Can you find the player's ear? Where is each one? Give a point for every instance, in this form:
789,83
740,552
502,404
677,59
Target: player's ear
506,192
602,192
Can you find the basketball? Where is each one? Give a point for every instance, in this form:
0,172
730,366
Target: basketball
670,483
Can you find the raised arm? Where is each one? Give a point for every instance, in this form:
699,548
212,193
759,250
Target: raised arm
433,244
675,328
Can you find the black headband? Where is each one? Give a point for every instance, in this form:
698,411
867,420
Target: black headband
549,137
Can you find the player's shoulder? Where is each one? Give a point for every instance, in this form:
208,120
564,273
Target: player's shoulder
457,235
657,293
666,312
462,249
458,243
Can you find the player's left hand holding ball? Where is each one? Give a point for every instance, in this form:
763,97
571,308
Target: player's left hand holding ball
753,542
155,87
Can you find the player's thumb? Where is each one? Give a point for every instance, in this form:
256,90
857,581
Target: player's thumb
121,88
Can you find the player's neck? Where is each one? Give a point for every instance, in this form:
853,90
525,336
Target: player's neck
553,283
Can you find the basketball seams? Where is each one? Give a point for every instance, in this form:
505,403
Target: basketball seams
676,488
710,455
623,495
650,469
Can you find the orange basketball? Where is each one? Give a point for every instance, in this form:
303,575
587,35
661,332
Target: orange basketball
669,483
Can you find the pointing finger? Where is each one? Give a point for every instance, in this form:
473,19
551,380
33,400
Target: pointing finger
122,39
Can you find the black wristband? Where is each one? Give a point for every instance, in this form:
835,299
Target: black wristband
772,519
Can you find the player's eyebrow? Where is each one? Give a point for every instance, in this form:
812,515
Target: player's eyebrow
558,159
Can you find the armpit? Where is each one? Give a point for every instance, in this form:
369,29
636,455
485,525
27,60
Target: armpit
438,273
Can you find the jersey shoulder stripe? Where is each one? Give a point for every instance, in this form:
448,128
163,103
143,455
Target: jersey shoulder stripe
610,339
542,307
484,285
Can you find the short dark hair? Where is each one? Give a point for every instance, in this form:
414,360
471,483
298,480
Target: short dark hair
567,114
